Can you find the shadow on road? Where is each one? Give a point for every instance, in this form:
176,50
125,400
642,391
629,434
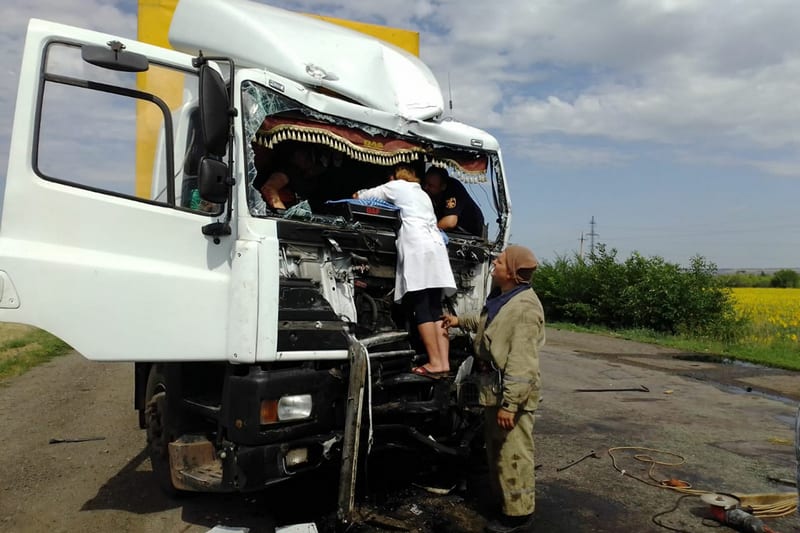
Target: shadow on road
392,492
132,489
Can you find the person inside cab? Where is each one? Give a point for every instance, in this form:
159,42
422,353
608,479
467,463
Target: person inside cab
455,209
287,174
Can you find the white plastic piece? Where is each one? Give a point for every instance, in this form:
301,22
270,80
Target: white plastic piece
9,299
310,527
719,500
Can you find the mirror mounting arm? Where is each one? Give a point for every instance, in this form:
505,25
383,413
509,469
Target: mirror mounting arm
217,229
223,228
232,113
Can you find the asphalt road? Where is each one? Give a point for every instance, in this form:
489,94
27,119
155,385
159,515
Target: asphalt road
732,424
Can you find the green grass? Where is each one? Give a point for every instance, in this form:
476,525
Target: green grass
24,347
780,354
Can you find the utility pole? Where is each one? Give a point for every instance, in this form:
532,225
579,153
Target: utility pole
592,235
580,254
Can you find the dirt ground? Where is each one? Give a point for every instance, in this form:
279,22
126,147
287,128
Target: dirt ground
733,425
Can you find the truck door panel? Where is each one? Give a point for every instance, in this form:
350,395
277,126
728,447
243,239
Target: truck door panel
82,241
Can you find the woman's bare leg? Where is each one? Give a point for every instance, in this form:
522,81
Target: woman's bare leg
443,341
430,332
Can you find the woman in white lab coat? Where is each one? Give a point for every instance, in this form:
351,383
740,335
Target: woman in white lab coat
423,266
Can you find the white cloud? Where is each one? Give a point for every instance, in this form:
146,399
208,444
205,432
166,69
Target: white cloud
680,72
675,72
566,155
719,74
572,84
14,16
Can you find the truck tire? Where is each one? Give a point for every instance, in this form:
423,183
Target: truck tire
159,434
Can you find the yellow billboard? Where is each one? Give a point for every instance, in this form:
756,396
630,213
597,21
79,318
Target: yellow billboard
154,20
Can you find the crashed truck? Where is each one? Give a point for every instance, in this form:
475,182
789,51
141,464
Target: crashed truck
266,343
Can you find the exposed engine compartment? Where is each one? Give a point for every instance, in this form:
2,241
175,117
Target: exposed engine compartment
353,268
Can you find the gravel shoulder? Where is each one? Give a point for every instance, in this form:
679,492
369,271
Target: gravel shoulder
732,440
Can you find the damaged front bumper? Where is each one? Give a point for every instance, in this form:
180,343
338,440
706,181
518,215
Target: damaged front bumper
196,465
248,452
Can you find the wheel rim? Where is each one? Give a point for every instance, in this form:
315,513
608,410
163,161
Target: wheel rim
157,439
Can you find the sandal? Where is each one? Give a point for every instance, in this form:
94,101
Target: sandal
423,371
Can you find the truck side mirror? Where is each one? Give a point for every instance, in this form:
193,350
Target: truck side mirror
212,180
214,111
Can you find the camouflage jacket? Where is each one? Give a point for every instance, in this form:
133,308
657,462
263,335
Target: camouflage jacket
511,343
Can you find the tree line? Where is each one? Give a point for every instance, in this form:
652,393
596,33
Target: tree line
785,279
638,293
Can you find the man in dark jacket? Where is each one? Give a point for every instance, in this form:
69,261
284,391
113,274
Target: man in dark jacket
455,209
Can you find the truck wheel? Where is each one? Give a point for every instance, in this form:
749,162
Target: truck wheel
159,435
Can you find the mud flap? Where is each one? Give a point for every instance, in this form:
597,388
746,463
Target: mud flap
194,466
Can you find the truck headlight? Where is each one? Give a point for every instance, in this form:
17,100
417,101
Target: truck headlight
294,407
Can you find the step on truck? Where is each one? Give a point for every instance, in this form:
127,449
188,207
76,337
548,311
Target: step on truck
265,341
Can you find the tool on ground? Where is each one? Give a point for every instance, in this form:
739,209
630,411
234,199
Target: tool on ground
739,520
727,511
576,461
640,388
81,439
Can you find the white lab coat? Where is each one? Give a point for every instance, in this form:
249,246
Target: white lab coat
422,261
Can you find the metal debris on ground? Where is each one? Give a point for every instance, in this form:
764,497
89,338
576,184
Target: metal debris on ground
783,481
640,388
435,490
79,439
387,522
576,461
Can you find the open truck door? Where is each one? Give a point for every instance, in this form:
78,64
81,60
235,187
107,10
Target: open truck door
118,271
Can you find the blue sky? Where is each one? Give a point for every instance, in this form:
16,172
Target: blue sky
674,123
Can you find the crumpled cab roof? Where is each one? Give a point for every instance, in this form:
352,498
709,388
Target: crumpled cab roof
311,51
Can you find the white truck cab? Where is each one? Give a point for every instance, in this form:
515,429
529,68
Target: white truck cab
131,228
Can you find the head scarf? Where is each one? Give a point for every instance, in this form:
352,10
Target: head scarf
519,257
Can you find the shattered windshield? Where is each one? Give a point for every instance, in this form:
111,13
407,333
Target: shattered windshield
300,161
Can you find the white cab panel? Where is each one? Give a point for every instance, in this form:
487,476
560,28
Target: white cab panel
116,278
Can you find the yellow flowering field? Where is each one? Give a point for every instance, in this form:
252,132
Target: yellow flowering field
774,313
